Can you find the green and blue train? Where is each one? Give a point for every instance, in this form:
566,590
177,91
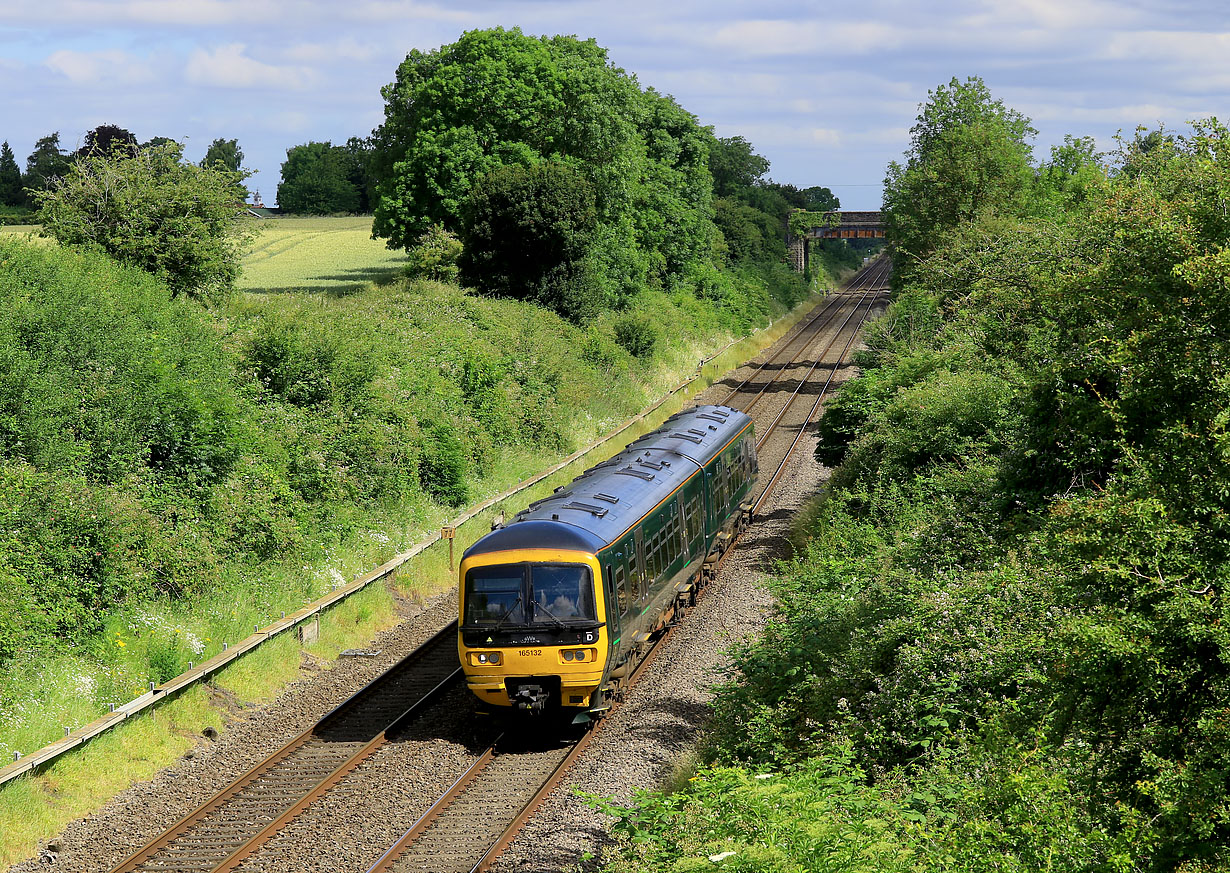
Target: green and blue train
558,606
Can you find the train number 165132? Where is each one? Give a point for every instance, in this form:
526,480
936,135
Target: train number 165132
530,653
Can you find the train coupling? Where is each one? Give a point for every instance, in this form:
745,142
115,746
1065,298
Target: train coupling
532,698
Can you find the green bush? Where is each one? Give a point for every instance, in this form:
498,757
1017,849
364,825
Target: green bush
150,209
434,256
104,374
527,234
637,334
443,466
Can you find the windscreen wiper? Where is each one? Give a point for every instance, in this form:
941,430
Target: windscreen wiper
543,607
503,618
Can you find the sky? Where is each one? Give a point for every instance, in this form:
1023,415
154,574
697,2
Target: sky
826,90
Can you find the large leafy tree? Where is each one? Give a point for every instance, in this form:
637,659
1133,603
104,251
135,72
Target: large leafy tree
969,156
316,180
46,163
499,98
734,165
10,178
224,153
150,209
105,139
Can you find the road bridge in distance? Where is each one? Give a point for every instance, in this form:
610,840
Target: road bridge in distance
835,225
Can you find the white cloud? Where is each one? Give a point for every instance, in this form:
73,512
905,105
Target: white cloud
325,52
785,37
1056,17
228,66
1201,50
197,13
101,69
402,11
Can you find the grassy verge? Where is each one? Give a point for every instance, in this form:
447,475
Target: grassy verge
34,808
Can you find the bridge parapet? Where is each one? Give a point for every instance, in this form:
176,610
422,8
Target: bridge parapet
849,225
832,225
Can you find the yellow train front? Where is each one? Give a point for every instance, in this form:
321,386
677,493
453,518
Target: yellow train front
557,606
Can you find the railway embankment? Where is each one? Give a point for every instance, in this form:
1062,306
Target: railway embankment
1000,644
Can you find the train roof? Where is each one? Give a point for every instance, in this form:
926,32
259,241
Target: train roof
598,506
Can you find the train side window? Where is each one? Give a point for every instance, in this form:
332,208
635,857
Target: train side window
621,586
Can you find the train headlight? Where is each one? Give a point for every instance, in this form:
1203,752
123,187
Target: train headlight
485,659
579,654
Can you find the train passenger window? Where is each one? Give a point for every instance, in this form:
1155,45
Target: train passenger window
493,594
560,592
621,585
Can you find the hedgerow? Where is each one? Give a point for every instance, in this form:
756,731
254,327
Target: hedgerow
1005,636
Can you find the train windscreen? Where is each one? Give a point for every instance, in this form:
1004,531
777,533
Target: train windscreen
561,592
520,594
494,594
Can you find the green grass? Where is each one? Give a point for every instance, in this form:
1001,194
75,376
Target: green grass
22,230
34,808
332,255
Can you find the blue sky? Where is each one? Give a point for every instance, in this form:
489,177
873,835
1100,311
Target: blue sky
827,91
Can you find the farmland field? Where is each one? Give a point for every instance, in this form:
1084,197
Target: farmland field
333,255
317,254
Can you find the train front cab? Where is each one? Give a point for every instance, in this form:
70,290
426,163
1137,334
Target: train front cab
532,635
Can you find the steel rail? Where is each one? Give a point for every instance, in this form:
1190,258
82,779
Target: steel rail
807,421
239,848
764,437
785,343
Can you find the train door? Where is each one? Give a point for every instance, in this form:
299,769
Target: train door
693,517
614,606
640,574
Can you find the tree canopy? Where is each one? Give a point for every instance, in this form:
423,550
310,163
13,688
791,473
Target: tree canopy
498,98
46,163
969,155
734,165
316,180
105,139
527,233
151,210
224,153
10,178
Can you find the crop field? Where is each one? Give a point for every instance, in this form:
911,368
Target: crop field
21,230
332,255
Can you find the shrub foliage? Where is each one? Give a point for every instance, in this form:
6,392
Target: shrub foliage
1005,635
150,209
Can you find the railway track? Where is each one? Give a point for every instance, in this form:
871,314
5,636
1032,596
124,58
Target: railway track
470,824
754,386
481,813
228,828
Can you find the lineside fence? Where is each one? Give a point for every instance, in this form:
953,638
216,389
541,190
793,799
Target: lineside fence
462,533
